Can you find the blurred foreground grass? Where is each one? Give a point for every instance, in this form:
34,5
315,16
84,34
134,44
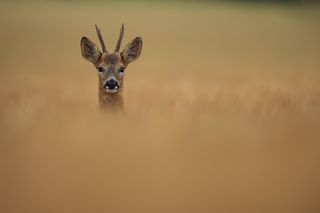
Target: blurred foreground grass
222,110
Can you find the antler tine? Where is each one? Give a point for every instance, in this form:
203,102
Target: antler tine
104,49
120,38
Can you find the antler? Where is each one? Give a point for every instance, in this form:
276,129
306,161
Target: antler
101,39
120,38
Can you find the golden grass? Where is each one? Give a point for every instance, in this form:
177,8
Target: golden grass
222,110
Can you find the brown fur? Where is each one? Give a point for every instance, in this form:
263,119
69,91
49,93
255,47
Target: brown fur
110,65
112,59
110,100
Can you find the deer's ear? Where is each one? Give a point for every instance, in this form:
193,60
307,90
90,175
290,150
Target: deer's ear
89,50
132,51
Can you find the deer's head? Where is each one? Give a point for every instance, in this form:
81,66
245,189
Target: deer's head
111,66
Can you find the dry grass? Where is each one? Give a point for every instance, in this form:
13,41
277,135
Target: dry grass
222,110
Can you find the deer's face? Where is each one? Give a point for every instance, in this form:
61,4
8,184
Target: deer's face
111,69
111,66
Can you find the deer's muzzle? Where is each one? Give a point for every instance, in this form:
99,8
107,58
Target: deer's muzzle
111,86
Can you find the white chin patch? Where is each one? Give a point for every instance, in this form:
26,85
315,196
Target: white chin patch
111,90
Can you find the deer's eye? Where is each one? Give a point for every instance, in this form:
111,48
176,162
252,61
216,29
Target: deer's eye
100,69
121,70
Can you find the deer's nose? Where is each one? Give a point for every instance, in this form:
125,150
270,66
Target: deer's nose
111,84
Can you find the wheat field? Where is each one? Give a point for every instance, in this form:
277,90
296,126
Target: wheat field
222,109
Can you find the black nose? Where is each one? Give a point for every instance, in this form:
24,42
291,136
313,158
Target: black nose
111,84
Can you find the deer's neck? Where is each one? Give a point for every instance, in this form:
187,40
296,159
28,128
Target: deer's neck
110,100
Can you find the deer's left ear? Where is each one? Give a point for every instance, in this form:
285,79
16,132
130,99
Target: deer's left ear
89,50
132,51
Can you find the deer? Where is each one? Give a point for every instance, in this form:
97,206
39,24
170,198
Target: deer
110,67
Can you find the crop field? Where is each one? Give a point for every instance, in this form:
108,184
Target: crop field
222,109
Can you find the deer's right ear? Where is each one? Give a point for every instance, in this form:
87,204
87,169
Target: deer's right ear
132,51
89,50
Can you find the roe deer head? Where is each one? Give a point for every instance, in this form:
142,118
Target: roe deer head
111,66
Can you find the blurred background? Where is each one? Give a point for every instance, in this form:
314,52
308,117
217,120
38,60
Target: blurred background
221,109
